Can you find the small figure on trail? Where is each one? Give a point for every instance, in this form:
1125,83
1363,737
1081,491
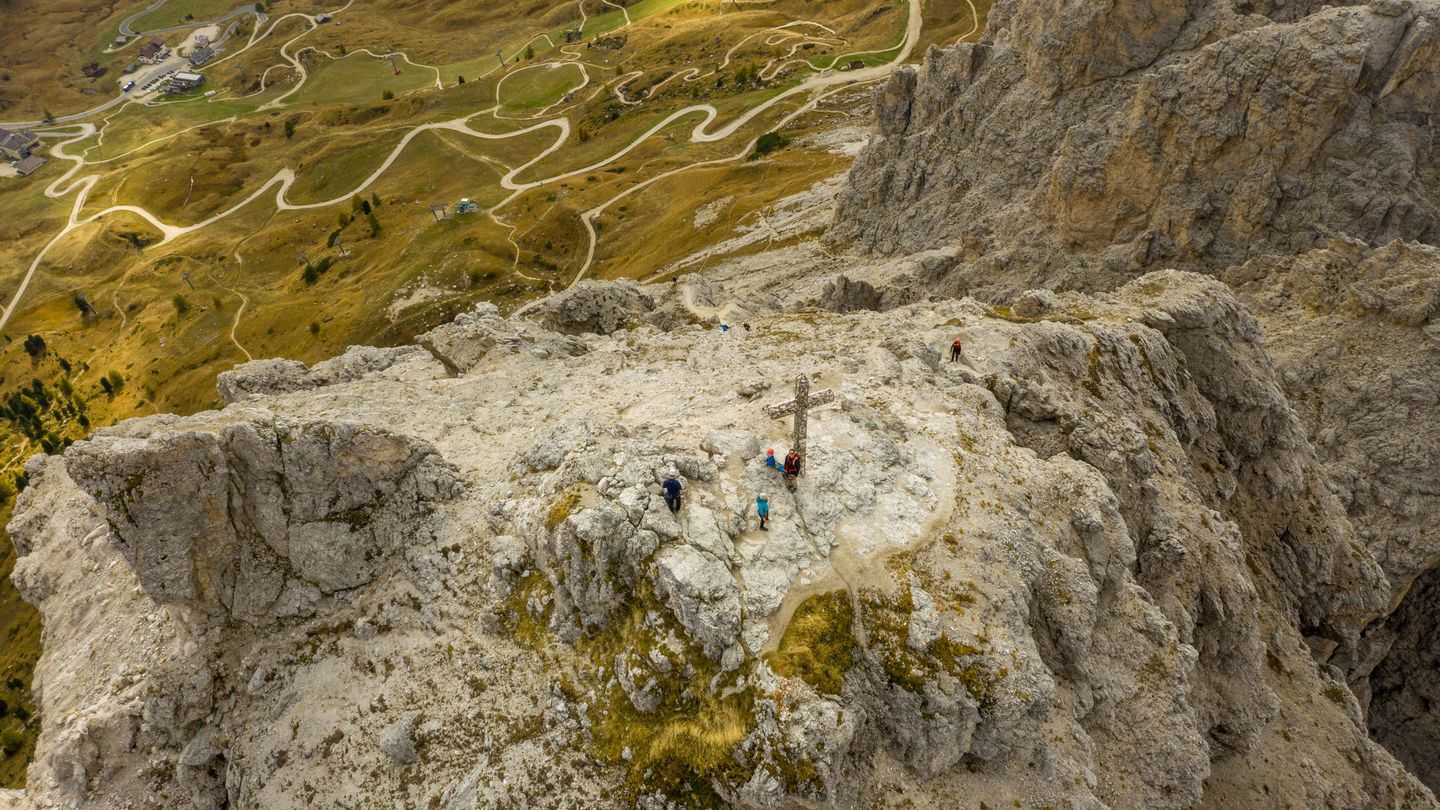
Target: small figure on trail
724,327
792,468
955,349
770,460
762,508
672,493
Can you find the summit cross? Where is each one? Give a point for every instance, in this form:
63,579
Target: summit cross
799,406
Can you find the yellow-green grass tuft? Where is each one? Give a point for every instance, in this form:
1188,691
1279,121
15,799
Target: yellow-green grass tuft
818,645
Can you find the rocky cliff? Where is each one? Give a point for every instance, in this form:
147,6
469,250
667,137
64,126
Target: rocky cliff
1080,143
1356,338
1286,148
1095,563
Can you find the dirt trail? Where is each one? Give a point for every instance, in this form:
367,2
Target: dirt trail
282,180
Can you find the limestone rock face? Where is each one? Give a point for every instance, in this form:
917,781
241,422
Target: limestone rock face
1286,148
262,377
1353,331
463,343
598,307
1067,44
1095,563
258,519
1080,143
1405,684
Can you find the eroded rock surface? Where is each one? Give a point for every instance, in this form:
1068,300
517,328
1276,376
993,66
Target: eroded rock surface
258,519
597,307
1080,143
1356,334
465,342
1287,148
262,377
1103,535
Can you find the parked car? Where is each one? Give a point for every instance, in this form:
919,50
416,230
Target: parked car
130,85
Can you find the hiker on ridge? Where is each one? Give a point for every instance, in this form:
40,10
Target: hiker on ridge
762,508
792,468
672,489
955,349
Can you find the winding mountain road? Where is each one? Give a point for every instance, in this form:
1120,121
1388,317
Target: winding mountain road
282,180
126,30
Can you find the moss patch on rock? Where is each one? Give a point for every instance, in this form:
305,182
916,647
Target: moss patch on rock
518,617
563,507
818,645
692,737
886,619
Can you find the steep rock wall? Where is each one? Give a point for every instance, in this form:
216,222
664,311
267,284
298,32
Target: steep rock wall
1080,143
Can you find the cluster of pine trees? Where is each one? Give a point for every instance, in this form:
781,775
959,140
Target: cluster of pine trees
46,416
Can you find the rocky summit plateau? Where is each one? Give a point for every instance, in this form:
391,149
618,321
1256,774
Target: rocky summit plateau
1161,533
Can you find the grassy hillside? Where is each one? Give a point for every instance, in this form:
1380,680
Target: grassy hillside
20,631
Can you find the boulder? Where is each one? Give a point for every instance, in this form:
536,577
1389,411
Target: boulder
397,740
463,343
702,594
598,307
271,377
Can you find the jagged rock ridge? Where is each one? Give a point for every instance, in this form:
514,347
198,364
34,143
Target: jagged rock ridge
1081,143
1287,148
1141,549
1019,576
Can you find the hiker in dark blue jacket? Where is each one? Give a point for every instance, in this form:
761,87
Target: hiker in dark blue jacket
672,493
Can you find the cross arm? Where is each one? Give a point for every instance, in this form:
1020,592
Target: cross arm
780,411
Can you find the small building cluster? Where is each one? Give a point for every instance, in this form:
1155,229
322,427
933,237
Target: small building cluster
19,143
154,52
28,165
18,146
183,81
201,55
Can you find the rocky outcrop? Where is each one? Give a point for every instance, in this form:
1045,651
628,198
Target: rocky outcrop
260,519
1080,143
597,307
1353,331
266,377
1356,334
885,285
1102,535
464,343
1288,148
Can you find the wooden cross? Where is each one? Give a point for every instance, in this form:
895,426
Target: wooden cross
799,406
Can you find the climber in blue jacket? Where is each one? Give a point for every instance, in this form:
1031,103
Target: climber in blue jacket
672,489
